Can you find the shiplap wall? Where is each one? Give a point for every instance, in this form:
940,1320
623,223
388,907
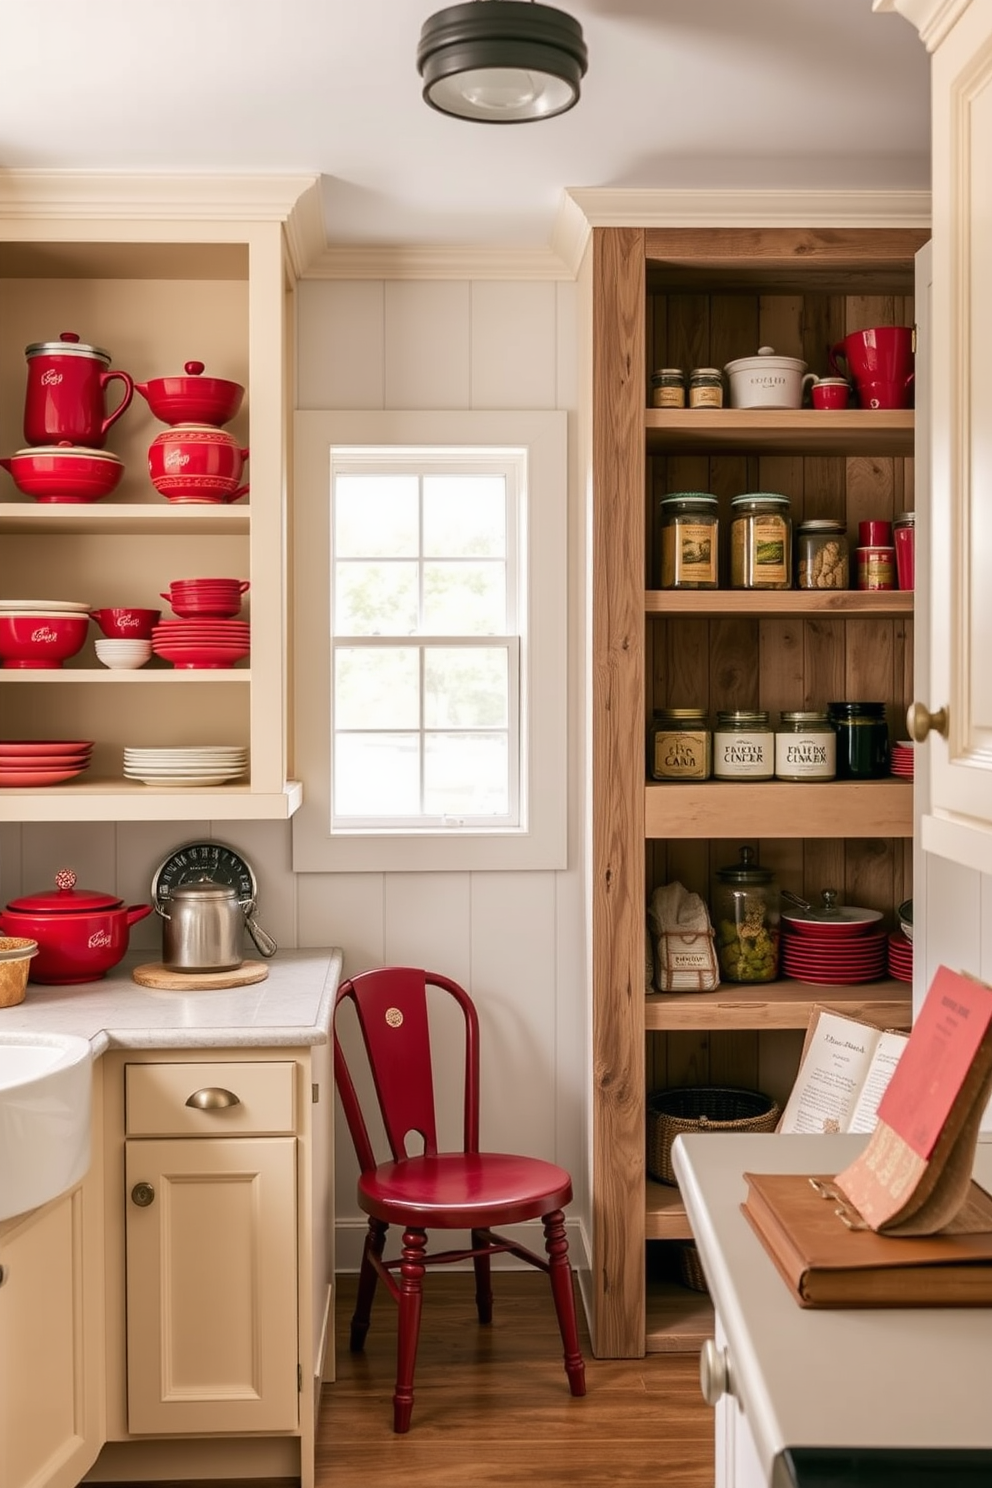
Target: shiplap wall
517,941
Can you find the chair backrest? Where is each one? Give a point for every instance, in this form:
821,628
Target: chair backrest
392,1008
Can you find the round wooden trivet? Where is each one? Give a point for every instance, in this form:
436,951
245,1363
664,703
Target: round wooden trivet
154,974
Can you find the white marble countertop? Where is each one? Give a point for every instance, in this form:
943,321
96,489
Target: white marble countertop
294,1005
865,1377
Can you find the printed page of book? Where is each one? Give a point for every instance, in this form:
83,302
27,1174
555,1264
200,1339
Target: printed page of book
887,1051
834,1069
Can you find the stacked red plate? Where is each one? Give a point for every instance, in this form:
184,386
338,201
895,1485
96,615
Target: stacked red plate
30,763
841,960
900,956
201,643
902,759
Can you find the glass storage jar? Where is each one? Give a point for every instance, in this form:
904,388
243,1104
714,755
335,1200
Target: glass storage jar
689,527
822,555
745,914
680,745
743,747
668,388
805,747
862,740
706,387
760,541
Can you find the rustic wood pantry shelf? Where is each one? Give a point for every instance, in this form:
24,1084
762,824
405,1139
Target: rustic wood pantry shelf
701,297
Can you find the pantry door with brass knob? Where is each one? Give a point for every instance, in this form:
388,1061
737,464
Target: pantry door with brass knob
957,819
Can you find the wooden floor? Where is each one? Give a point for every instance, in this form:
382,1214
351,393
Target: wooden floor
492,1406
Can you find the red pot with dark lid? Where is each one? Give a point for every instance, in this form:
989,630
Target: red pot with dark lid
81,933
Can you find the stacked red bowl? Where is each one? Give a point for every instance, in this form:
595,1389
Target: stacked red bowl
40,633
30,763
900,956
195,644
206,599
901,760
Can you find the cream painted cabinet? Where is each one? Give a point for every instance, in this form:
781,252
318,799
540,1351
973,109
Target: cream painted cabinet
158,273
958,824
50,1385
211,1236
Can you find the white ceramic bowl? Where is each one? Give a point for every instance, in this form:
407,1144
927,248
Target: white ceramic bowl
122,654
765,380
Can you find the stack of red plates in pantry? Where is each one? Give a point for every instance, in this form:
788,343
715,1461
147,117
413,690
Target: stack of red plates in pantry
30,763
842,960
900,956
201,643
902,759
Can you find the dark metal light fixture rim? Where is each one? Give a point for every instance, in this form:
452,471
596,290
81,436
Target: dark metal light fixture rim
503,21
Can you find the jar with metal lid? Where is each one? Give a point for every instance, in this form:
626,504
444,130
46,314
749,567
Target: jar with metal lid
745,914
760,541
668,388
681,745
805,747
706,387
862,740
822,558
689,554
743,747
904,541
876,567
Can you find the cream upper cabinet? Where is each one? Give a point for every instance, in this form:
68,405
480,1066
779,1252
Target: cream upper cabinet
958,711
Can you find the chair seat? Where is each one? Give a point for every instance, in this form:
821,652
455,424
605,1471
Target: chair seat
463,1190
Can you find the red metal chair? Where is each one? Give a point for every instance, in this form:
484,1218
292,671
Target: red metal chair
461,1190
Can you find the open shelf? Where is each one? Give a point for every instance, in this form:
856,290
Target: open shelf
772,808
798,431
679,1320
120,800
665,1216
781,1004
155,518
874,605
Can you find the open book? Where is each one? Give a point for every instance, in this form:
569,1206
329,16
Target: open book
845,1068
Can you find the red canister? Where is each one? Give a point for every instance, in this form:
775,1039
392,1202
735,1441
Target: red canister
905,546
874,534
876,567
65,400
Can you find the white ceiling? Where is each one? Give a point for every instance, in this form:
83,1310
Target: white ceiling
680,94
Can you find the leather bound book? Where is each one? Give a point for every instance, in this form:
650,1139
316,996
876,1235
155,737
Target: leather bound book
828,1257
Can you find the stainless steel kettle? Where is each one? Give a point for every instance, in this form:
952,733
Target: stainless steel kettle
203,927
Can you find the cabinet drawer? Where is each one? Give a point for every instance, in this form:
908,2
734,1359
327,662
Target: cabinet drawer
208,1100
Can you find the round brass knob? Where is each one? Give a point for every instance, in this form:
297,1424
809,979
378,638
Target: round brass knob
143,1194
714,1372
920,721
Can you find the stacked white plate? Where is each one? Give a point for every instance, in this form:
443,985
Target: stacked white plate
44,607
200,764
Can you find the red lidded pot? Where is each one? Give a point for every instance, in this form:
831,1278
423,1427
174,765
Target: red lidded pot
65,399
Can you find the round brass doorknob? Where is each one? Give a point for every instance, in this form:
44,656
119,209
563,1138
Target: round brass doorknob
919,721
714,1372
143,1194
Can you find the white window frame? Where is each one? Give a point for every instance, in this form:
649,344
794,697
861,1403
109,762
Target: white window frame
540,842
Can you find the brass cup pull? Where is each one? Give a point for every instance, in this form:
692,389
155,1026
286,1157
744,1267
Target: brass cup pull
213,1098
143,1194
920,721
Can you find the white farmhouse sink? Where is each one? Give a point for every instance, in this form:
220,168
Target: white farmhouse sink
46,1092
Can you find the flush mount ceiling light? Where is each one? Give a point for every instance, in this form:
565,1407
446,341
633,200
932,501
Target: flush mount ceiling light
501,61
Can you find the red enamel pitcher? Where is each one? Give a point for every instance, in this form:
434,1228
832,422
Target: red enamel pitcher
67,383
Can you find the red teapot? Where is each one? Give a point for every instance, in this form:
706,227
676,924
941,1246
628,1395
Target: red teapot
65,401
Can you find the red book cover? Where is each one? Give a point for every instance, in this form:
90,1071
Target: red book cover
946,1036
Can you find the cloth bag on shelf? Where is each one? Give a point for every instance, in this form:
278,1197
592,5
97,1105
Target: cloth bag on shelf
685,957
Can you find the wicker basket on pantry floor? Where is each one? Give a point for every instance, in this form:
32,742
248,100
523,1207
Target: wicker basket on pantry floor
694,1108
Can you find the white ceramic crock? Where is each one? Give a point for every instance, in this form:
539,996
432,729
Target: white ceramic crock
766,380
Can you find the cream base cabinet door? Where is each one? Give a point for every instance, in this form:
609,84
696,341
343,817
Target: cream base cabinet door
47,1434
212,1285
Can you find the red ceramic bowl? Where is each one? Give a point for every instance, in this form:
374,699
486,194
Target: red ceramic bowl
64,472
122,624
41,640
193,399
74,947
197,462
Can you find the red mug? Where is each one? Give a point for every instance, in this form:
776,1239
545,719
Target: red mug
880,354
65,400
829,392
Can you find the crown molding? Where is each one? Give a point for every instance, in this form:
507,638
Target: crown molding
399,261
932,18
114,195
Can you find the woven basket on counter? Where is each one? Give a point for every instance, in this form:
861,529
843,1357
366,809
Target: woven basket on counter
701,1108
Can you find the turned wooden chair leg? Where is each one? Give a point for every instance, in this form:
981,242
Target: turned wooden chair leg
375,1241
412,1271
556,1245
483,1280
